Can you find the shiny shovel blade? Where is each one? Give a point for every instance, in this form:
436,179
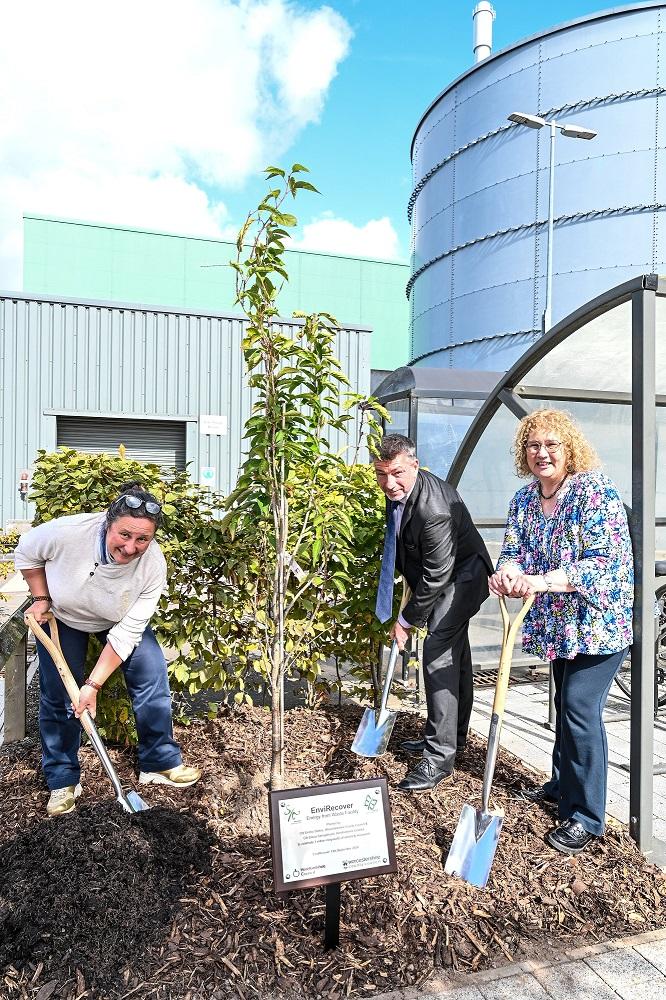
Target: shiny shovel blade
474,845
135,803
373,734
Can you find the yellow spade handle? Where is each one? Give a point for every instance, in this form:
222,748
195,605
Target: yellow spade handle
510,632
53,647
406,594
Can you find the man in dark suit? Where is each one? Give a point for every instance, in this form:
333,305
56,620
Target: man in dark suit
446,565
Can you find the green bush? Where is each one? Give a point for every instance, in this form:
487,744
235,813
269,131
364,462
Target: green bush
8,542
211,613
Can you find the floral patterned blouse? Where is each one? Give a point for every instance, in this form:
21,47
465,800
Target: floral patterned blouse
587,536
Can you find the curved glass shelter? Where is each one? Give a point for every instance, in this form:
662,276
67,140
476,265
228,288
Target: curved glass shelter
606,364
435,408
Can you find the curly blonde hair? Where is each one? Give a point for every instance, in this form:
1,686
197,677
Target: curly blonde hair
580,455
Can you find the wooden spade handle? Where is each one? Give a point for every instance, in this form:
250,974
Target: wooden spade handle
406,594
510,632
53,647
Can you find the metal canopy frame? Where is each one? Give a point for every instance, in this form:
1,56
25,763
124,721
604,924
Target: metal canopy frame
512,392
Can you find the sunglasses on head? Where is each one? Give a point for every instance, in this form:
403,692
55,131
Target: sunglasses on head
134,503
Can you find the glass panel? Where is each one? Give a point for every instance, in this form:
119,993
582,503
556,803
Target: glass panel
442,426
598,356
490,479
660,543
474,404
399,410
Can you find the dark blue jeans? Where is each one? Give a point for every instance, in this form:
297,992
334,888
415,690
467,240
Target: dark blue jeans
580,754
148,686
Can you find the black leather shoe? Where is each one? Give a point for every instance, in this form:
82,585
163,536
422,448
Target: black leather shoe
539,795
418,746
425,775
570,838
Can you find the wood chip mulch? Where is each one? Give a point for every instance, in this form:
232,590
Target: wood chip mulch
177,903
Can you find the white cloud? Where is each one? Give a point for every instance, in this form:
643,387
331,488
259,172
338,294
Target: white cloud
128,112
377,238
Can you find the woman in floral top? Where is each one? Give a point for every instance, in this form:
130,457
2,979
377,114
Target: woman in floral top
567,539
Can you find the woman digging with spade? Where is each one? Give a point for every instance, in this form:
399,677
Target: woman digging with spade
102,573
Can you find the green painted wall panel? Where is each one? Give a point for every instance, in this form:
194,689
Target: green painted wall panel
84,260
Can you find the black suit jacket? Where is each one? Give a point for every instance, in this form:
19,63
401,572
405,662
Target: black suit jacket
441,556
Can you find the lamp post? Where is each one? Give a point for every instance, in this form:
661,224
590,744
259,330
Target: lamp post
570,132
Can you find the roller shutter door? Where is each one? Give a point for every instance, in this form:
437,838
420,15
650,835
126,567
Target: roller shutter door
158,441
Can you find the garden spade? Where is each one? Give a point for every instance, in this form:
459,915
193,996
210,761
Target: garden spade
475,840
130,801
375,730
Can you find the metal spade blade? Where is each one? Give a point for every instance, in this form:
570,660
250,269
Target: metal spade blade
475,841
375,730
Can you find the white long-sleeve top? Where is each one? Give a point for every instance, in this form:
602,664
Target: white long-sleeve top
87,594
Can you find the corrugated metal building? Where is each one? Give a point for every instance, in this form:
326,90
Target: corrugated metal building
479,207
170,386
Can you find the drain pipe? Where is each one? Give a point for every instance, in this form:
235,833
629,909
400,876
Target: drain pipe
483,16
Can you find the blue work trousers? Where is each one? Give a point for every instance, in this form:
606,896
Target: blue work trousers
580,754
148,686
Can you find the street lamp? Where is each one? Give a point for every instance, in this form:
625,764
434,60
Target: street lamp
570,132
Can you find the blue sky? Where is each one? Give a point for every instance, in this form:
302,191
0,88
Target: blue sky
400,57
168,126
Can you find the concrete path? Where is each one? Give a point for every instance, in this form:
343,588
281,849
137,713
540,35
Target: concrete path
631,969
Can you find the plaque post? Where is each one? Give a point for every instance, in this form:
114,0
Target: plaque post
332,929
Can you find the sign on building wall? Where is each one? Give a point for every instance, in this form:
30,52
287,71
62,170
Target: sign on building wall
211,423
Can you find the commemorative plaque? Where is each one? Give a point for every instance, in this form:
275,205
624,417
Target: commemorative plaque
328,834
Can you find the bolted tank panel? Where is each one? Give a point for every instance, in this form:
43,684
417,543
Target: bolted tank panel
479,206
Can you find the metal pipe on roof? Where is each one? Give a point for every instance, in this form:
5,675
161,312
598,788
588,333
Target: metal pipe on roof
483,16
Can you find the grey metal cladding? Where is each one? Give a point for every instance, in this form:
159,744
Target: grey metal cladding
92,360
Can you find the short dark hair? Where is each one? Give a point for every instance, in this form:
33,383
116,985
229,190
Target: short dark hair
392,445
120,509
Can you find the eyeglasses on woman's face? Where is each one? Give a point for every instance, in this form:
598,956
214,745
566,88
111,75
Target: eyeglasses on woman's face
134,503
534,447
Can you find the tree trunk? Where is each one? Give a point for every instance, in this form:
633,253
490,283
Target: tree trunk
277,731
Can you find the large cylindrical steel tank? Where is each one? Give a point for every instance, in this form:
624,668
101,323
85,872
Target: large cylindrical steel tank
480,203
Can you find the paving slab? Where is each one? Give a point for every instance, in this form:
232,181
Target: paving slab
573,981
655,953
622,967
646,990
525,987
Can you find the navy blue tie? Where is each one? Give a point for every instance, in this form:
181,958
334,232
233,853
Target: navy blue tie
384,604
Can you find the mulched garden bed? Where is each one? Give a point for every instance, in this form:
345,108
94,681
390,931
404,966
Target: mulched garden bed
178,904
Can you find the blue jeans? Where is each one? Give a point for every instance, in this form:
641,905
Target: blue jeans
580,754
148,686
